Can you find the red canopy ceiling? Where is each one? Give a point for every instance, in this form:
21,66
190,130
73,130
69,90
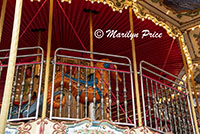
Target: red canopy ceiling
153,50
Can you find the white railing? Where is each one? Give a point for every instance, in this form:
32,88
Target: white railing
82,91
166,105
26,90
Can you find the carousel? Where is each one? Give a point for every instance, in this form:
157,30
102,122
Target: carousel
99,66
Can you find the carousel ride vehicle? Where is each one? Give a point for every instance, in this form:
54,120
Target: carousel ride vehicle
88,79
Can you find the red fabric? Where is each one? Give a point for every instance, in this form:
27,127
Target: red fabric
148,49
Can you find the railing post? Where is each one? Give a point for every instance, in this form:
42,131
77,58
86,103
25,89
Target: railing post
135,70
3,12
47,67
11,66
187,71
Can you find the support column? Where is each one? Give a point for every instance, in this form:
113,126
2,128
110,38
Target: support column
91,38
11,66
189,87
46,82
135,69
3,12
91,105
37,68
195,91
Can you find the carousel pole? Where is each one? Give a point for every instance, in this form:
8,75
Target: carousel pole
91,38
189,86
39,31
3,12
91,105
195,91
37,68
44,107
135,70
11,66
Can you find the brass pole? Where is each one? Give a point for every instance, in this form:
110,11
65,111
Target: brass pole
195,91
37,68
91,105
11,66
44,108
135,70
189,86
91,38
3,12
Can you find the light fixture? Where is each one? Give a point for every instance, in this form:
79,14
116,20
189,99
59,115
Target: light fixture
35,0
69,1
167,12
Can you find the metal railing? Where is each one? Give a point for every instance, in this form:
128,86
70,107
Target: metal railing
165,108
79,90
25,98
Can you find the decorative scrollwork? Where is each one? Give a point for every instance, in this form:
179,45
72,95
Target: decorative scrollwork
24,129
59,128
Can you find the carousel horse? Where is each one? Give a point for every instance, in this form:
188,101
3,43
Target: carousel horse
26,92
90,82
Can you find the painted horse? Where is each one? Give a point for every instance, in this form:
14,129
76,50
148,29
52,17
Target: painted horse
90,82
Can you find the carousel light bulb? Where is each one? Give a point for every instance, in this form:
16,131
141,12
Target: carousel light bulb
126,7
98,1
142,19
192,28
92,1
31,0
113,9
167,12
104,2
199,26
120,11
135,0
69,1
156,23
174,37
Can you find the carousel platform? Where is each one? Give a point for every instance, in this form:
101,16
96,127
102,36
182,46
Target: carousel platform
83,126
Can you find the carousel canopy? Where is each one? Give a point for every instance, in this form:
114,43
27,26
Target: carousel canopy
155,50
